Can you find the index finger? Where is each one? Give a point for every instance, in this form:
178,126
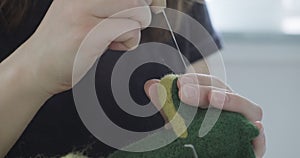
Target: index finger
259,143
202,79
138,10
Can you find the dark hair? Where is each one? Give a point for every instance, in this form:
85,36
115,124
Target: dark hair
13,11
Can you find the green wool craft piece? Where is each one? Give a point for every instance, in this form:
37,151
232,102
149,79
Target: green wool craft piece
230,137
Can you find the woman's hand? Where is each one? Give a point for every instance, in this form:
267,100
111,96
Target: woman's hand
198,90
50,53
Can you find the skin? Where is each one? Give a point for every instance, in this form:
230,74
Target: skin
51,51
204,93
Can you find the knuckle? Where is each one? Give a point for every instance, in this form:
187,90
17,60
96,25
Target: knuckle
218,81
198,78
215,78
235,98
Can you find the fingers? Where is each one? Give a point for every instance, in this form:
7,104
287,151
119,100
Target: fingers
259,143
202,90
159,3
99,38
157,6
151,89
137,10
107,8
236,103
123,31
202,96
199,92
127,41
141,14
202,79
195,95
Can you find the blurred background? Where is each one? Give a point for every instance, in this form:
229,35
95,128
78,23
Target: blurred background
262,57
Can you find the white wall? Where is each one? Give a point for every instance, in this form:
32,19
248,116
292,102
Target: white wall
253,15
266,69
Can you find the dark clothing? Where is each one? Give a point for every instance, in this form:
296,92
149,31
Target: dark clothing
57,129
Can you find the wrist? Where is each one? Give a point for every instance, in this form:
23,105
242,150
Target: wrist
19,71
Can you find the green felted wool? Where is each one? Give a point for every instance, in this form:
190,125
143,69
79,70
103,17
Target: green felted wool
230,137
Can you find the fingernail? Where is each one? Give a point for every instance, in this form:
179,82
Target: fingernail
189,91
148,86
158,95
190,94
152,92
185,80
218,99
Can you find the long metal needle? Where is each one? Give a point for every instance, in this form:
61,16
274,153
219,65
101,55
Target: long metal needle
183,61
193,149
174,39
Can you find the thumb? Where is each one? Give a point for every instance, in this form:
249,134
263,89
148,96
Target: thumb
151,90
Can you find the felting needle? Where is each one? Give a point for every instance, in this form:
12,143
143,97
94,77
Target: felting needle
174,38
193,149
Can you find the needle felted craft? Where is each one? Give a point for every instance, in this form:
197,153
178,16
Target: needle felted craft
230,137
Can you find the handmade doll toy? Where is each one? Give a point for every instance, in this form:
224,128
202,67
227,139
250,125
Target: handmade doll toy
231,136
